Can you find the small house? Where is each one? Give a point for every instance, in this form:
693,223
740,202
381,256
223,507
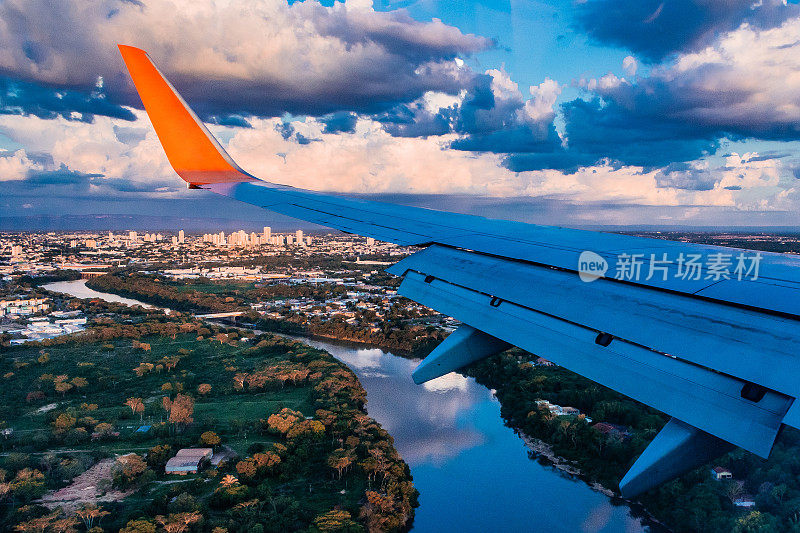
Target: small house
188,461
719,473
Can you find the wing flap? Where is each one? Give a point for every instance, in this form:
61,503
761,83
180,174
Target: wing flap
462,347
703,398
736,341
677,448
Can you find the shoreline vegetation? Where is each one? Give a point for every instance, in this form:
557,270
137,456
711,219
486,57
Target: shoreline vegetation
398,334
297,448
600,455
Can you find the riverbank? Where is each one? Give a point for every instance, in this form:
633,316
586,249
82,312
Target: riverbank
467,445
474,473
79,289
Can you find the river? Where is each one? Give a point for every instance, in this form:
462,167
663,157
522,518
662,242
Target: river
78,289
473,473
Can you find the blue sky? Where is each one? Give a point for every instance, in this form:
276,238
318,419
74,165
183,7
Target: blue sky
584,112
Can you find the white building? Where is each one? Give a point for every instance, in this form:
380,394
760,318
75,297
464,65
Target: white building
188,461
23,307
719,473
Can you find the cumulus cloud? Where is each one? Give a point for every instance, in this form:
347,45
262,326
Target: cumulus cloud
491,116
15,165
630,65
396,110
109,156
113,158
745,85
540,107
262,58
17,97
657,28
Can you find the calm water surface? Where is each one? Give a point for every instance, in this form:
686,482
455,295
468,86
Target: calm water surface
473,473
78,289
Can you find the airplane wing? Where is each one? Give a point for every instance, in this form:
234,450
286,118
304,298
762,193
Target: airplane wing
713,347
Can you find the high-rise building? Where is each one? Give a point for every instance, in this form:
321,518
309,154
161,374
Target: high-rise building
181,237
298,236
132,235
370,241
174,240
267,234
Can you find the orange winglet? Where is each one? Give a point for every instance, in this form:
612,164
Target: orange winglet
192,151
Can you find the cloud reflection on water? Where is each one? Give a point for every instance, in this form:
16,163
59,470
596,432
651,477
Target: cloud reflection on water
473,473
430,426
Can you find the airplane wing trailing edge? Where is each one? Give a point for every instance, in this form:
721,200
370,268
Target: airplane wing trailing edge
713,349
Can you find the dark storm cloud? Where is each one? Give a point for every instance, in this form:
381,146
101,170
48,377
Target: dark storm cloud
59,176
517,139
415,121
493,120
767,156
596,131
62,180
397,33
130,136
24,98
302,139
237,121
488,120
684,176
303,58
654,29
285,129
730,99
